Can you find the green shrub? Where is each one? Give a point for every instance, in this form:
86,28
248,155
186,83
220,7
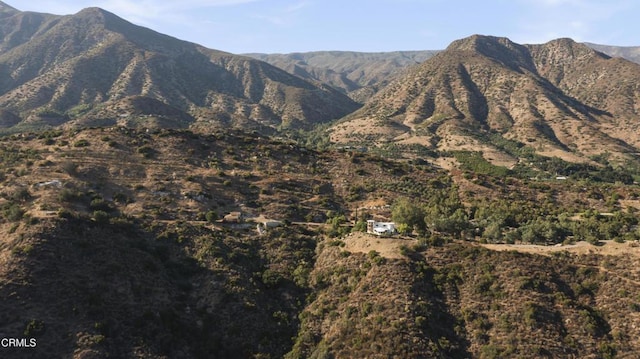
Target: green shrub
271,278
33,328
81,143
101,216
99,204
13,213
360,226
20,195
69,195
211,216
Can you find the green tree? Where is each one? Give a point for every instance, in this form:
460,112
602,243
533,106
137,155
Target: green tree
455,223
211,216
405,211
360,226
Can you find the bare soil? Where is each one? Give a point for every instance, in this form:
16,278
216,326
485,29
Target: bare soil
388,247
607,248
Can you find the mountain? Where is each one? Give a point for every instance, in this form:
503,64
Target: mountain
113,243
358,74
362,75
559,99
84,69
631,53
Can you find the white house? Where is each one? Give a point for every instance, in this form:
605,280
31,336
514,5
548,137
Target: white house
381,228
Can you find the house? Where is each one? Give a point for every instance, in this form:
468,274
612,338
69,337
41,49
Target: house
271,224
381,228
233,217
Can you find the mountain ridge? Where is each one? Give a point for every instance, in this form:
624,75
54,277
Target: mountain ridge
358,74
95,57
362,74
537,95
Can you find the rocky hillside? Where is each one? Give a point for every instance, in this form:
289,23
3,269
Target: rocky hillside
558,99
463,301
114,244
360,75
85,69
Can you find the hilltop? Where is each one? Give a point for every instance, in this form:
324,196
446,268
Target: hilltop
560,99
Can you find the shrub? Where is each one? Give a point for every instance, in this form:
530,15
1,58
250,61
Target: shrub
101,216
211,216
146,151
69,167
360,226
13,213
20,195
81,143
271,278
64,213
376,258
121,198
68,195
99,204
33,328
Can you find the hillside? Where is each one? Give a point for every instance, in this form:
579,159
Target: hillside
83,69
358,74
559,99
631,53
362,75
113,245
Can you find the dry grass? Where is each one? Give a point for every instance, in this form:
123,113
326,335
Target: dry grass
605,248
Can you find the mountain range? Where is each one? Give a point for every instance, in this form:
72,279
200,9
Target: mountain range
362,74
358,74
559,99
94,68
147,211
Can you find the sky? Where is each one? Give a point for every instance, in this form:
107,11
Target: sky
285,26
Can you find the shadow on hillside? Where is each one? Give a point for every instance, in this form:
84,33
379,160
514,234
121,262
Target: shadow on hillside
433,316
120,289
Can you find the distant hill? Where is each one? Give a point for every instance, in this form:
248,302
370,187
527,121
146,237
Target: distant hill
362,74
358,74
84,68
631,53
557,99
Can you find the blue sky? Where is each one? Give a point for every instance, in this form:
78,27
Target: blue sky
282,26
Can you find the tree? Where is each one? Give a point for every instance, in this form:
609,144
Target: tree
360,226
211,216
406,212
455,223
